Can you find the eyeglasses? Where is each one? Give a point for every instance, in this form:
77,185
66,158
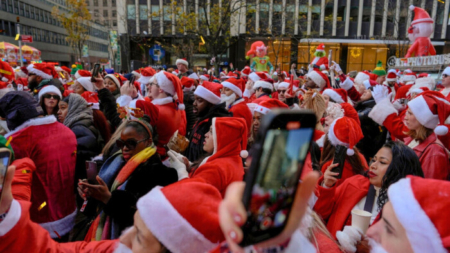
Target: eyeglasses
281,91
444,75
49,96
130,143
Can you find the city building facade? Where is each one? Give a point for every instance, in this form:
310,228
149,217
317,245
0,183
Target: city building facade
359,32
48,34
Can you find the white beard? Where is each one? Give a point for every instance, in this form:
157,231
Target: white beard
228,99
122,248
375,247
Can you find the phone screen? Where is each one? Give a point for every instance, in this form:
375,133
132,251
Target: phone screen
280,166
95,72
4,163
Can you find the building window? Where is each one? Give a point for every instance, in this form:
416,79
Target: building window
21,12
10,6
143,12
105,3
95,2
3,4
131,11
87,2
114,13
27,10
155,12
105,13
106,22
16,7
114,23
113,3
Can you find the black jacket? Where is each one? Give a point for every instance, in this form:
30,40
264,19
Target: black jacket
188,102
109,108
374,134
201,127
122,205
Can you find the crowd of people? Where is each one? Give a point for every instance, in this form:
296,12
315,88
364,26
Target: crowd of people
102,164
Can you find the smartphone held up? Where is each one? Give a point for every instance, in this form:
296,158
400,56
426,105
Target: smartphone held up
283,142
5,160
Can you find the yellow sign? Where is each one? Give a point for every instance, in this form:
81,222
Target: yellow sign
203,41
17,36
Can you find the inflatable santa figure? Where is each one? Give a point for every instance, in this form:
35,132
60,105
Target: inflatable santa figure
320,58
419,32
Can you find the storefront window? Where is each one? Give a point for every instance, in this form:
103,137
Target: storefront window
365,57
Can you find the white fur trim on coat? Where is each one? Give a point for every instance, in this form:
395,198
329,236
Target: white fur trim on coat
162,101
420,230
347,84
207,95
124,100
11,219
62,226
164,221
381,111
47,120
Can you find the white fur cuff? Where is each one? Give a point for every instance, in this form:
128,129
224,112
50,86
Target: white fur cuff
382,110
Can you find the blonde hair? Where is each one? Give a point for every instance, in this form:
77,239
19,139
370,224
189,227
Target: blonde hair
114,137
314,101
420,134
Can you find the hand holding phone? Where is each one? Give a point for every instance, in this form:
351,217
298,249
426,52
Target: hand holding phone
5,186
340,154
95,72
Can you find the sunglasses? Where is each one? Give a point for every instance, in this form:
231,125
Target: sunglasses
130,143
49,96
281,91
445,75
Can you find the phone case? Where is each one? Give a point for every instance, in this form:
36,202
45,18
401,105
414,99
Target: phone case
339,157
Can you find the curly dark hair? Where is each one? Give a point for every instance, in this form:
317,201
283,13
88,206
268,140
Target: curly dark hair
404,162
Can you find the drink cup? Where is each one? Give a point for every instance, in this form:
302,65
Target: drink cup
361,220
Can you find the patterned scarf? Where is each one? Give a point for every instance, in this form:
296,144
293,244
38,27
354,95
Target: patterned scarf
102,226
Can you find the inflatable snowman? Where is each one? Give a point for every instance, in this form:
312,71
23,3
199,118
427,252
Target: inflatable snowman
419,34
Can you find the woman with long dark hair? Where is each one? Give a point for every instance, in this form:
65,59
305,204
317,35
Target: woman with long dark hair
49,97
366,192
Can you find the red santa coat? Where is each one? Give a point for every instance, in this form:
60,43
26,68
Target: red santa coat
347,172
322,62
21,184
239,109
335,204
169,121
422,47
433,157
52,146
19,234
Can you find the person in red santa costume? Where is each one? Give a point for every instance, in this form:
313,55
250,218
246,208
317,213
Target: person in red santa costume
255,93
317,80
427,112
161,213
166,93
226,143
320,60
366,192
419,33
7,74
52,147
38,72
234,103
446,83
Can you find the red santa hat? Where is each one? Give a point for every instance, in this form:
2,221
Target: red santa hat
116,79
284,85
187,83
149,109
362,76
166,213
6,72
263,83
66,69
230,134
350,112
204,77
233,84
345,132
320,79
338,95
137,73
421,206
175,72
432,110
422,75
267,105
171,84
231,75
210,91
391,75
146,74
44,70
246,71
86,83
418,90
82,73
92,99
256,76
424,82
369,83
402,92
420,16
182,61
49,89
320,48
408,76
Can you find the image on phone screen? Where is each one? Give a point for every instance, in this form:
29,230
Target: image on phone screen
3,169
284,152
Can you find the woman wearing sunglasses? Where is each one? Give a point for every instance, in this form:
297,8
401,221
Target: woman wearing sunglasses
49,97
124,178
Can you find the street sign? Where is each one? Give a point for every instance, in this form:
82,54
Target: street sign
27,38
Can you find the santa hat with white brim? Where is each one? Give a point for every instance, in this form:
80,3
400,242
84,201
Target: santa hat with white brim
431,111
266,106
263,83
210,91
421,206
338,95
44,70
427,82
346,132
256,76
391,75
319,78
283,85
234,85
49,89
361,77
114,79
82,73
86,83
166,212
171,84
194,76
146,75
182,61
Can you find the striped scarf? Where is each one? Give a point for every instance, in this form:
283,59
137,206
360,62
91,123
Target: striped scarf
101,227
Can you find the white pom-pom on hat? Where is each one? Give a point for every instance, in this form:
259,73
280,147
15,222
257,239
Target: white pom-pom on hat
244,153
412,7
181,107
441,130
350,152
